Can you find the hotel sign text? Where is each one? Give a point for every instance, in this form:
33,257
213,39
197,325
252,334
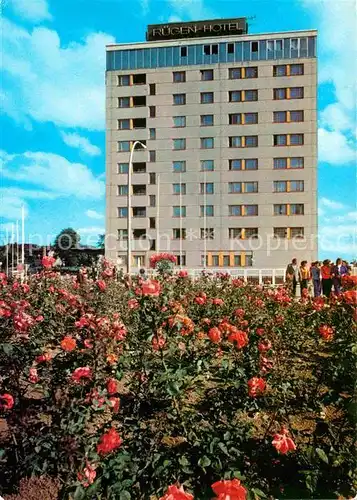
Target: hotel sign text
192,30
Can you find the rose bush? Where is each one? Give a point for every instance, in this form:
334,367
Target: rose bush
176,388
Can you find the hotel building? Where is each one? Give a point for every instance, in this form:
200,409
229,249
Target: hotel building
229,174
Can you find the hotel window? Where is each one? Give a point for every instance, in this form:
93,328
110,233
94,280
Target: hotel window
296,69
139,79
152,178
296,209
139,123
250,95
152,223
207,97
124,146
251,141
206,188
235,210
250,118
235,119
122,190
207,165
122,234
235,142
152,133
235,164
237,260
207,74
207,210
179,76
235,73
226,260
280,209
280,94
139,189
123,168
139,234
179,99
280,70
152,156
124,80
179,234
280,186
181,260
124,124
215,260
251,210
183,52
235,96
280,232
207,234
152,88
179,188
296,232
139,211
139,167
280,163
251,163
251,232
296,92
251,72
179,121
250,187
297,162
179,166
296,139
207,120
124,102
207,142
139,101
210,49
280,140
152,200
280,117
234,187
296,186
152,111
230,48
178,211
178,144
122,212
234,233
296,116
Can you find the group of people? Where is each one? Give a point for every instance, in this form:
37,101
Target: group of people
323,276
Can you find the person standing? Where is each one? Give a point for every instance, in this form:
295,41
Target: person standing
338,270
326,277
292,275
304,276
316,278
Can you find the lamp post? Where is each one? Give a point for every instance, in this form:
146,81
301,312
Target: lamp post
135,143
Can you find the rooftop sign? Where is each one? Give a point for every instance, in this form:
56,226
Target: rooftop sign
217,27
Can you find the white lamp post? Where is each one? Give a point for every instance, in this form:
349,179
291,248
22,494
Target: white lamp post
136,143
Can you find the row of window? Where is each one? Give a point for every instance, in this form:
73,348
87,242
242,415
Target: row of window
278,209
233,210
249,95
208,188
242,259
208,120
199,54
245,141
179,166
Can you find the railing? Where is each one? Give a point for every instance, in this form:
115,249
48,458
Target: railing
259,276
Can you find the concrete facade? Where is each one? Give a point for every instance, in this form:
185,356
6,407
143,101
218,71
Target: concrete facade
158,222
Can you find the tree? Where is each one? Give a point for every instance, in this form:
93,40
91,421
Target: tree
101,241
65,242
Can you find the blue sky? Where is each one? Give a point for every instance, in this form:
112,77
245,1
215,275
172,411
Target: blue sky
52,122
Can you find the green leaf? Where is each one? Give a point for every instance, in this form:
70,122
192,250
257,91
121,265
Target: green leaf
223,447
79,493
7,348
183,461
322,455
2,453
173,389
259,493
125,495
204,462
238,475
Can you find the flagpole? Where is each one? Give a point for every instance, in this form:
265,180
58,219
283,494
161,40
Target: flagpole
23,237
12,248
17,243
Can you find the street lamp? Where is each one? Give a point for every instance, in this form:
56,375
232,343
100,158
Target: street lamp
136,143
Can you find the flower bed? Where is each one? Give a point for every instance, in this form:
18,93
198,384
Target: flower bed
176,389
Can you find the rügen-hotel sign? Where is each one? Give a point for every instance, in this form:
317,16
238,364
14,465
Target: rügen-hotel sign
216,27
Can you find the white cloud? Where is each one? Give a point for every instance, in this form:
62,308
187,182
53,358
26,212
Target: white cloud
74,140
92,214
339,240
48,81
174,19
335,148
335,117
90,235
91,230
334,205
31,10
190,9
53,173
11,206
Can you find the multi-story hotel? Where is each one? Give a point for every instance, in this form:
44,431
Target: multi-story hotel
228,176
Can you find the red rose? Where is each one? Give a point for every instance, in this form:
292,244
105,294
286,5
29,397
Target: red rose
158,343
68,344
256,386
239,338
215,335
182,274
239,313
43,358
200,300
101,285
6,402
33,376
260,331
109,441
217,302
282,442
25,288
112,386
175,493
81,373
115,404
48,262
326,332
264,346
229,490
133,304
89,475
151,287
